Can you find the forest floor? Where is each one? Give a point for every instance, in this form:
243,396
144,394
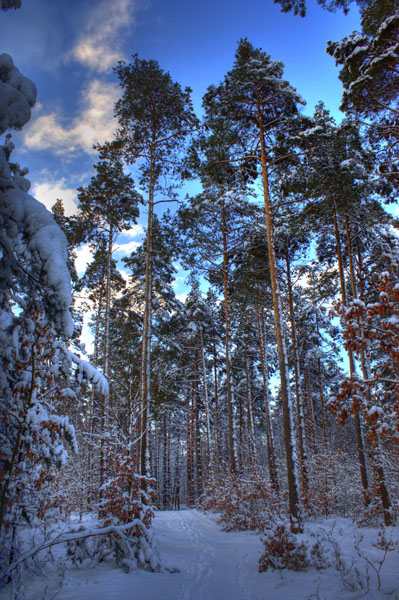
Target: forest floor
211,564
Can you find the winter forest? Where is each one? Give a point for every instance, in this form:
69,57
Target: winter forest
264,407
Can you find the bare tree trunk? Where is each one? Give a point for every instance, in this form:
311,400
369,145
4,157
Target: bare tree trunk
106,353
216,394
294,505
197,431
230,401
310,412
145,362
321,395
90,459
298,388
271,457
108,301
249,399
190,449
206,402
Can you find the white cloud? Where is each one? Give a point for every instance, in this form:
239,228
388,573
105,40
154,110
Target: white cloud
50,191
84,257
127,248
94,124
100,44
136,230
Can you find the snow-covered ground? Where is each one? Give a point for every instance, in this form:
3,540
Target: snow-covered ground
216,565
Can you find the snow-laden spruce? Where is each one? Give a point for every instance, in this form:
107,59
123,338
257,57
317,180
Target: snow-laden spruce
39,376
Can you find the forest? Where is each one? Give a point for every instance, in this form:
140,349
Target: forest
270,393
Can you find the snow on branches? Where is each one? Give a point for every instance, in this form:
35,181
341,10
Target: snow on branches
17,95
125,513
38,388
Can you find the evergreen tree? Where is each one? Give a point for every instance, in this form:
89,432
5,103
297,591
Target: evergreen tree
260,107
36,368
155,117
369,75
212,227
163,304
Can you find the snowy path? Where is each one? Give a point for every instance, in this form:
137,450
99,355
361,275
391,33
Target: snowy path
214,565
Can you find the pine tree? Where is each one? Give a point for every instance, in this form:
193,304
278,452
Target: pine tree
369,74
260,107
163,305
299,6
252,303
106,206
212,226
155,117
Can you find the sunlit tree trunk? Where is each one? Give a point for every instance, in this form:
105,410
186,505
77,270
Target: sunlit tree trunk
145,363
294,504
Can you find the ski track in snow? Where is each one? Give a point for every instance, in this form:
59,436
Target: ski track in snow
212,565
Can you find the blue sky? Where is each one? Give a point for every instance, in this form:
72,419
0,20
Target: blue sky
68,48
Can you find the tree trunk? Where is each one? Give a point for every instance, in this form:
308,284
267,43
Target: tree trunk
249,399
230,401
216,394
321,395
189,448
294,506
380,478
310,412
271,457
206,402
298,389
145,362
197,430
90,460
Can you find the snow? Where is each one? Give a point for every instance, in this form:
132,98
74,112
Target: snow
86,370
393,320
375,410
201,562
49,241
22,216
17,95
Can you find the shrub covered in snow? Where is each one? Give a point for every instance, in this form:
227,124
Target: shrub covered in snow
243,502
125,517
283,550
